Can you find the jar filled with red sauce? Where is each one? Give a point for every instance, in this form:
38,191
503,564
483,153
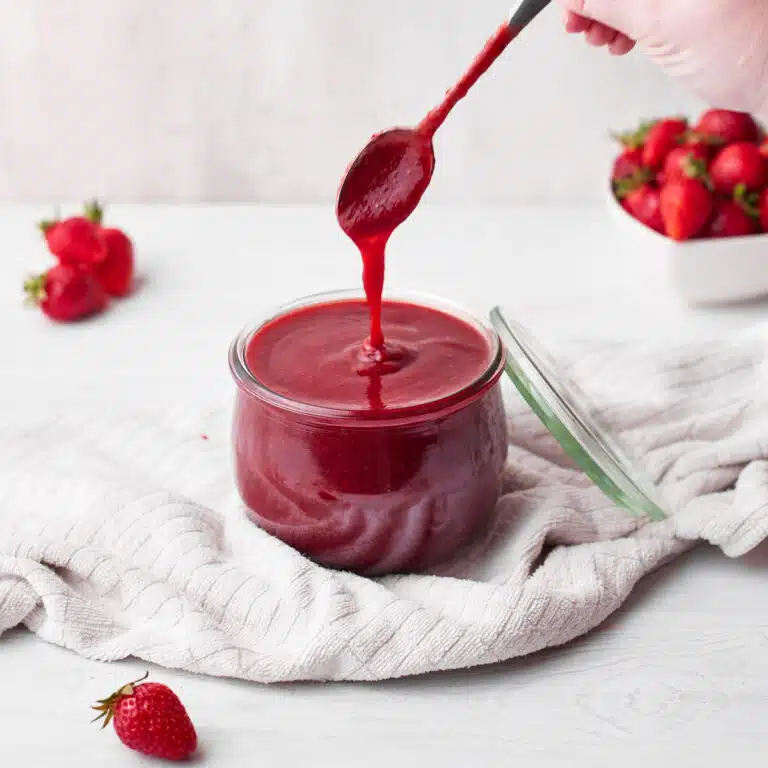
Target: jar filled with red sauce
392,467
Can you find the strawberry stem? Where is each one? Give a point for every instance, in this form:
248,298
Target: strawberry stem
106,707
694,137
694,167
47,224
622,187
633,139
34,288
94,212
747,201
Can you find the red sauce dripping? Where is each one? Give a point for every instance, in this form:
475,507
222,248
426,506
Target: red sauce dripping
387,180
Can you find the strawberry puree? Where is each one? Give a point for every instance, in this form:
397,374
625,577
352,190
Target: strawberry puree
435,355
371,435
375,468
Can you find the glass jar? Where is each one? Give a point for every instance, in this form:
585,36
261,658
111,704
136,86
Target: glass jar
392,492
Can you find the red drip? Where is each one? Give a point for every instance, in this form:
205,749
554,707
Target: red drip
372,252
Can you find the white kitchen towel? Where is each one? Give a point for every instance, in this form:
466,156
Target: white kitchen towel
121,534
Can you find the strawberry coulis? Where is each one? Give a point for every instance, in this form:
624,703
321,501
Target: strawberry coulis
407,467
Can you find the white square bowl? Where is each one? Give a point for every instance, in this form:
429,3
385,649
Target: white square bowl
703,272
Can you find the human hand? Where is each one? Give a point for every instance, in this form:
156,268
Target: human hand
719,48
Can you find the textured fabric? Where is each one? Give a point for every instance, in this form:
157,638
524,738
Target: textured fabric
121,534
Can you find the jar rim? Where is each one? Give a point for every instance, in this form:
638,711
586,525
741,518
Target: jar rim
249,383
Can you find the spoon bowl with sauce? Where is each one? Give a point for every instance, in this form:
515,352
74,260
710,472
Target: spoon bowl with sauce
384,183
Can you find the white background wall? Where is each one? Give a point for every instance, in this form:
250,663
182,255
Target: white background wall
268,99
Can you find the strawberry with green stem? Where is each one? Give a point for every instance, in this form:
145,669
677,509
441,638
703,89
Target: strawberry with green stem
115,271
630,162
687,203
736,217
641,200
736,164
149,718
74,240
708,145
728,126
686,161
662,137
66,292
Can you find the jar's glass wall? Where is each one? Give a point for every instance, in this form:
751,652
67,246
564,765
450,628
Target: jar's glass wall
397,495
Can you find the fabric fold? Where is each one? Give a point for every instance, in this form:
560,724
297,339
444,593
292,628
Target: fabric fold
121,533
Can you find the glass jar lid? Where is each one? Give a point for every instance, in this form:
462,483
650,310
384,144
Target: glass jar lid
574,420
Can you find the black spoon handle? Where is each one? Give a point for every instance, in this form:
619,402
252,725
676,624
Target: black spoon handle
526,12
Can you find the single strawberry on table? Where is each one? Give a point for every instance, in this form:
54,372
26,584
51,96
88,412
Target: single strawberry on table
736,164
66,292
728,126
115,272
663,136
75,240
149,718
686,205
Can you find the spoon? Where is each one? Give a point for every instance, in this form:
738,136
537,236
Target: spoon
385,182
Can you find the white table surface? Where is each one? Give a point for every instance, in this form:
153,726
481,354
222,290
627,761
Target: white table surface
680,677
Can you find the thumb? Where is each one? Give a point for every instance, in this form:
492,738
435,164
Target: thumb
621,15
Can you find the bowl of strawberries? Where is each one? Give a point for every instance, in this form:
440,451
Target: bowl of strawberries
698,192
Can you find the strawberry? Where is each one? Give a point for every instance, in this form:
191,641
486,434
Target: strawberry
643,204
764,148
686,205
66,292
708,145
640,200
730,127
628,163
115,273
688,160
75,240
662,138
730,220
149,718
737,164
763,210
